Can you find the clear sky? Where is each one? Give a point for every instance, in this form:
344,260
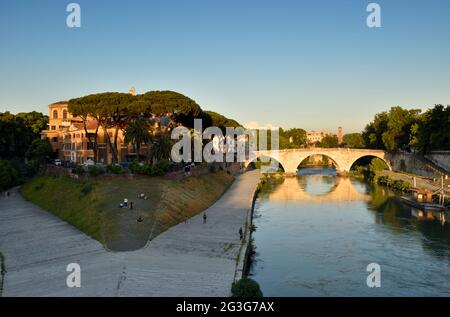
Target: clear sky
311,64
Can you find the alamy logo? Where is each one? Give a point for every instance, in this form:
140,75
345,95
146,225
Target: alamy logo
237,145
374,278
74,278
74,18
374,18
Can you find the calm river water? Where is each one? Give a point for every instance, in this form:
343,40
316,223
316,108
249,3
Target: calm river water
316,234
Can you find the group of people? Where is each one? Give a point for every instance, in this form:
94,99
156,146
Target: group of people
126,204
187,169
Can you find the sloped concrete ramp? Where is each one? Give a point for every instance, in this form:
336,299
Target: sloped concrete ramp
190,259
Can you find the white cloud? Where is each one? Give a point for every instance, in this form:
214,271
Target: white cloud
257,125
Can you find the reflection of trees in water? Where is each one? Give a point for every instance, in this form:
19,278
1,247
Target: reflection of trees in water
437,240
271,185
397,216
389,209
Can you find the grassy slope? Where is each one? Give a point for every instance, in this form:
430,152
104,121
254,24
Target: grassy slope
96,212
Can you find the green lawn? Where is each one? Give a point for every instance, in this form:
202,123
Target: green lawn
92,206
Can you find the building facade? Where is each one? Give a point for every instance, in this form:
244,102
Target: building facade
316,136
69,140
312,137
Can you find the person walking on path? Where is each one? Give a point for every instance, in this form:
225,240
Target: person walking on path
204,218
241,235
131,205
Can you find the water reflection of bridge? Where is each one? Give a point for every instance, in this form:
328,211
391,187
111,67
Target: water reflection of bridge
343,190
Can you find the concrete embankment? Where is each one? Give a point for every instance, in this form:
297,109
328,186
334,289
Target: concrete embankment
421,182
190,259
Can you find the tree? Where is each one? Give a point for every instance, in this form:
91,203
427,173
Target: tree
15,136
8,175
40,150
36,121
432,131
391,130
137,133
115,111
84,110
214,119
183,108
297,136
329,141
373,131
398,133
162,148
354,140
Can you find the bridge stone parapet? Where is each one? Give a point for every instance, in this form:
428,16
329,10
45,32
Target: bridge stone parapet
343,158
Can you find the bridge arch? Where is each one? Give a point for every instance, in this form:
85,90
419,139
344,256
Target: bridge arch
372,156
252,163
318,153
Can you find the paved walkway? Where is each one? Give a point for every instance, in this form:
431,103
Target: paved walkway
190,259
421,182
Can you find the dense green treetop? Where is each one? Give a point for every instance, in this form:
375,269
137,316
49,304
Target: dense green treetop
329,141
353,140
18,131
153,103
432,132
215,119
401,128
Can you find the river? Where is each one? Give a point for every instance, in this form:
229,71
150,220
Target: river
317,233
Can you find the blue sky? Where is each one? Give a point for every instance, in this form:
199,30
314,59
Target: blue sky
311,64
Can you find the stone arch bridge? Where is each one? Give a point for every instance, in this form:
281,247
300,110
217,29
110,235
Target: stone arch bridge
343,158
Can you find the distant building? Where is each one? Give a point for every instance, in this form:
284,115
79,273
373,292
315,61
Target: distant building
313,137
69,138
340,136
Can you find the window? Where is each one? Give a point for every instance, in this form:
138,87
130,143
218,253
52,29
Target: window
53,127
65,114
55,114
55,139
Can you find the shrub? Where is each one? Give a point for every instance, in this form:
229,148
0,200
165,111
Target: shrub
40,150
32,168
136,167
95,170
163,165
394,184
160,168
78,169
246,287
115,169
140,168
86,188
